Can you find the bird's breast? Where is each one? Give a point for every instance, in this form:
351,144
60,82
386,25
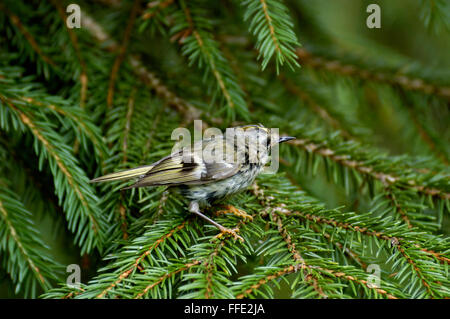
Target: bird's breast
208,193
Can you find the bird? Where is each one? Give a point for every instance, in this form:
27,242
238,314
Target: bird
210,170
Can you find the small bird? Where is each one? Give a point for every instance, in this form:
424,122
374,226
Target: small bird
210,170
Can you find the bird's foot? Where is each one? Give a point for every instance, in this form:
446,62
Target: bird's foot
235,211
228,231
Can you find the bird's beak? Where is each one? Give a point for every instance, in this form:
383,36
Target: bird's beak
285,139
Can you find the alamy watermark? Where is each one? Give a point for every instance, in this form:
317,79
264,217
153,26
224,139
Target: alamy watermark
74,279
73,20
373,21
374,279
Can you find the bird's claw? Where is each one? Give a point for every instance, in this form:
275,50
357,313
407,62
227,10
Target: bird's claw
228,231
235,211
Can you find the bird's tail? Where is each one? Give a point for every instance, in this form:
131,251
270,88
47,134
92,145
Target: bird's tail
123,175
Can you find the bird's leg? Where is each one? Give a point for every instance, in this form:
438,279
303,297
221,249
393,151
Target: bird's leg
236,211
194,208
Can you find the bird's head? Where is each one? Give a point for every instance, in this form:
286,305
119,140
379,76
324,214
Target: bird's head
264,136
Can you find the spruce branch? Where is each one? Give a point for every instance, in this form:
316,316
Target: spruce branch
74,39
142,86
70,180
426,278
361,166
318,109
122,51
399,237
155,7
403,81
106,285
198,44
15,20
165,276
354,256
427,136
435,15
309,276
272,26
27,257
146,76
208,278
86,130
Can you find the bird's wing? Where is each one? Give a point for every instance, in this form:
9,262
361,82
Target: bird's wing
123,175
189,168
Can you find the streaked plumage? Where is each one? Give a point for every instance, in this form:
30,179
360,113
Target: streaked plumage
204,179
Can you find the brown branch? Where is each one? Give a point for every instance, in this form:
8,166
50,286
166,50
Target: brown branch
72,293
209,268
16,21
315,107
14,235
126,273
30,124
209,262
346,250
61,111
74,39
417,270
407,83
397,207
123,217
122,50
365,231
165,276
294,268
439,256
271,28
187,110
157,6
210,59
150,79
311,279
309,276
262,281
337,224
427,138
345,160
343,275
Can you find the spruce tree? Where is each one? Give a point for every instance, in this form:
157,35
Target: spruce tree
358,209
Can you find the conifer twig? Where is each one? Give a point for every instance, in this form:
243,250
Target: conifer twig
166,276
157,6
74,40
309,276
208,56
28,122
318,109
16,21
146,76
345,160
17,240
122,51
407,83
129,271
397,242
